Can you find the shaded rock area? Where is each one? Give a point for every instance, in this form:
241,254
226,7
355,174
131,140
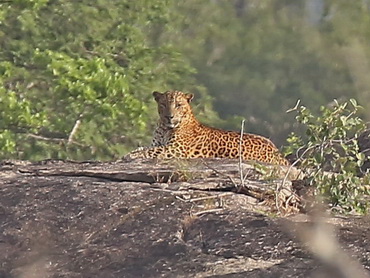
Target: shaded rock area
169,219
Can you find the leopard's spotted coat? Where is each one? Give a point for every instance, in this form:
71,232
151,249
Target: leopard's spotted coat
180,135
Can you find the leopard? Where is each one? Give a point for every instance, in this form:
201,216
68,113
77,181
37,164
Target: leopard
179,134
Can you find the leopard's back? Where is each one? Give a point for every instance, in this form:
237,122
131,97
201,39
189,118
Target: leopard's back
203,141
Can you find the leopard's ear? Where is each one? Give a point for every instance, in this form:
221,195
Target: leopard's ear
189,97
157,95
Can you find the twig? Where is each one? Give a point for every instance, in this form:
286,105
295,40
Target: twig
39,137
74,130
55,140
300,158
282,184
207,211
295,106
210,197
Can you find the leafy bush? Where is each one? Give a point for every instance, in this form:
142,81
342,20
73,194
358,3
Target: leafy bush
76,78
331,144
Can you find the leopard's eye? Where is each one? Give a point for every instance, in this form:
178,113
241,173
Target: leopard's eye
178,105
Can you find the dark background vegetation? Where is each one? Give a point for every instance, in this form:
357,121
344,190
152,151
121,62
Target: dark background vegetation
76,76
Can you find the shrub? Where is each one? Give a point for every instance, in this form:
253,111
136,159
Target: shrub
331,144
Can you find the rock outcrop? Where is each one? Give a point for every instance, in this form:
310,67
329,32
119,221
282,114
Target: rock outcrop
171,219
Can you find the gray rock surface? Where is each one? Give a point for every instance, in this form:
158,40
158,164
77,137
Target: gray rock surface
145,219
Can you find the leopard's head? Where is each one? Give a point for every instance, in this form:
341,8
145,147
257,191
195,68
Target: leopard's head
174,108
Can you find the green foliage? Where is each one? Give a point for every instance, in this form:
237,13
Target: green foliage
90,67
76,76
256,58
331,144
